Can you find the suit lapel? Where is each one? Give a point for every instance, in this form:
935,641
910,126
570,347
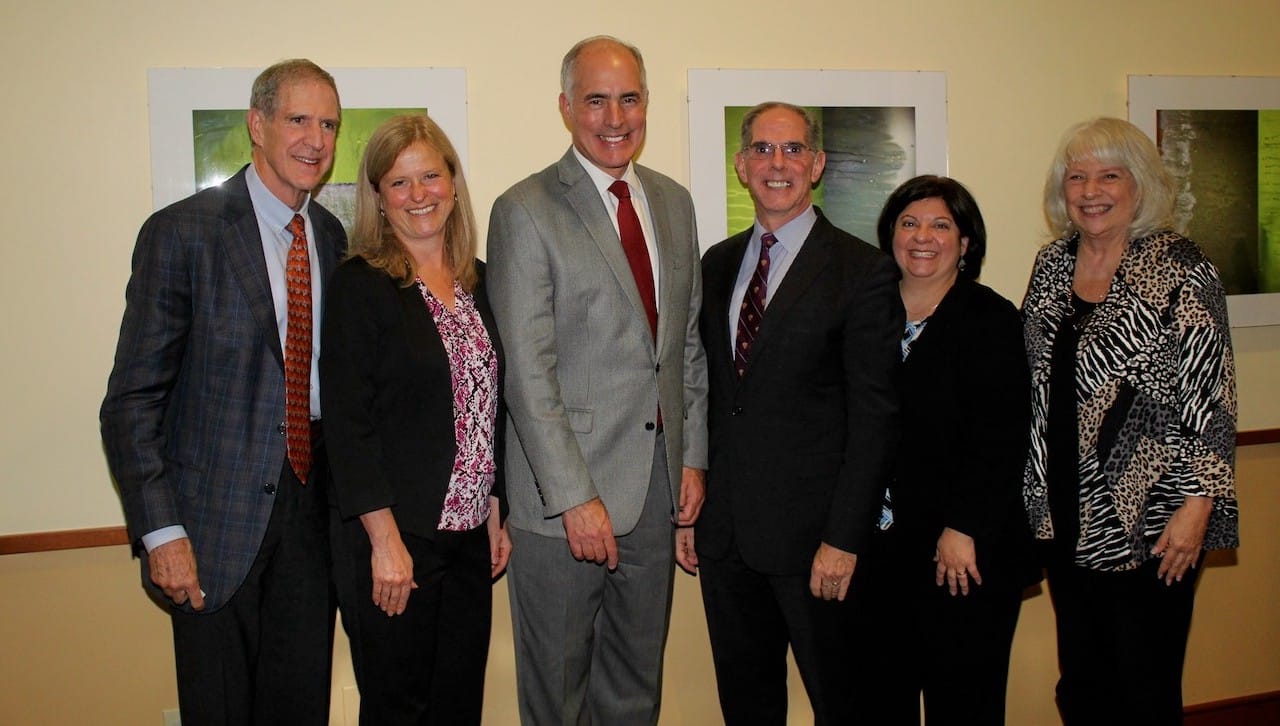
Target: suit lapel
243,246
661,225
585,201
812,259
718,290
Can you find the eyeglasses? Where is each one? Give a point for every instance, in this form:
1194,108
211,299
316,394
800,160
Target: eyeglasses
764,150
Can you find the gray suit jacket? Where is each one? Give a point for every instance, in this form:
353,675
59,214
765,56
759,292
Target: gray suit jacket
585,378
192,422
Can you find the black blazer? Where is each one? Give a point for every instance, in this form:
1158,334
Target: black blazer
800,445
966,408
387,397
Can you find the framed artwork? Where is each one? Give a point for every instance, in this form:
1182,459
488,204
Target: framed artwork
1220,138
199,136
878,129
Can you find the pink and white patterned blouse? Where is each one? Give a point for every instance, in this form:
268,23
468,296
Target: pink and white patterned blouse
473,367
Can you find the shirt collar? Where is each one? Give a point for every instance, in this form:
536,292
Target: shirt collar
790,235
276,214
602,180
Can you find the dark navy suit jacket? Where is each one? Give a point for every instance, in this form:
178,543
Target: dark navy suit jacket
192,422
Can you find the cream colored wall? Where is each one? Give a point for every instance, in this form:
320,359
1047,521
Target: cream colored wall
76,148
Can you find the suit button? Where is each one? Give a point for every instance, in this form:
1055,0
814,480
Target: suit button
282,429
657,368
269,487
737,411
648,426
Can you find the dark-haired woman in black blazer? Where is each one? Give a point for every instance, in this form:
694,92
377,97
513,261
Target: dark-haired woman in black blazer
940,586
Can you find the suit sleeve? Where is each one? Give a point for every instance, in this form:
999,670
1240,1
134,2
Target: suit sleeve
994,438
695,370
352,332
149,356
521,284
872,353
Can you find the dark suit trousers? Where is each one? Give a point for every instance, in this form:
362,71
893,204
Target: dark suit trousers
265,658
916,637
751,618
1122,639
426,665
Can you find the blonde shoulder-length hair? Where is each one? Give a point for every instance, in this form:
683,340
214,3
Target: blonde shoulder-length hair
1113,142
373,239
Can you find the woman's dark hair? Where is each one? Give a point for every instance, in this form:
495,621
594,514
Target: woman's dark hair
960,203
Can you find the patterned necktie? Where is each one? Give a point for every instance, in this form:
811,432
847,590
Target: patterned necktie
637,252
752,312
297,352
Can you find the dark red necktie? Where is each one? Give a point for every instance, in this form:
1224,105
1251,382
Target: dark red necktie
297,352
637,252
752,311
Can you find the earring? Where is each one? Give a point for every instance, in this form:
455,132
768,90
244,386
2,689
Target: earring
961,265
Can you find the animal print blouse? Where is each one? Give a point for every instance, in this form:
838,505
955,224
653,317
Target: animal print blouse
1155,396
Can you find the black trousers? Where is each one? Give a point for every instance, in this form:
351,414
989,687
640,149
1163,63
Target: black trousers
425,666
1122,640
751,618
266,657
917,638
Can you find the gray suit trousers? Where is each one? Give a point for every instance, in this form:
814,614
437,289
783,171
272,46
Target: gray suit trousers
577,624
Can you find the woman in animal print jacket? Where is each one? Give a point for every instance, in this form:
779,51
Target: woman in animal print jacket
1130,476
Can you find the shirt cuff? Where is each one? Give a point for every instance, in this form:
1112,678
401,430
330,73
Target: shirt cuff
164,535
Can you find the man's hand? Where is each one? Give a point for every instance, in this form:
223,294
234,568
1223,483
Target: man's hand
686,557
693,491
173,570
832,572
590,533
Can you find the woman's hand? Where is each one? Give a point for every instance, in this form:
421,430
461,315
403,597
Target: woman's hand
1179,545
499,540
957,561
392,565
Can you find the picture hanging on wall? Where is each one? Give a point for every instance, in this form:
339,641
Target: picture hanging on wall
199,137
877,128
1220,138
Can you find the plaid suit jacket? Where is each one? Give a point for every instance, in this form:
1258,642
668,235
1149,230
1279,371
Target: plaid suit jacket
192,419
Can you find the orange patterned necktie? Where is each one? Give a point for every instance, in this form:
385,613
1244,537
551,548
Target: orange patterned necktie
297,352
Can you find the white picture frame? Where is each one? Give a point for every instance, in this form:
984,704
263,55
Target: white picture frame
174,93
1151,94
711,91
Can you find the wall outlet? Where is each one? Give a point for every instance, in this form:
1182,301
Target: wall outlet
172,717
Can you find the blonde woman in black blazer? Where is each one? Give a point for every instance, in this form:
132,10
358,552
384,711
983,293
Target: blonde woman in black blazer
941,584
412,396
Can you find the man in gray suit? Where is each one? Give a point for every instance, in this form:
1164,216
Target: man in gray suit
223,484
595,284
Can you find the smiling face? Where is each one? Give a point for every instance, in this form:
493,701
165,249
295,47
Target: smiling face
926,242
781,186
416,196
1102,200
293,149
606,114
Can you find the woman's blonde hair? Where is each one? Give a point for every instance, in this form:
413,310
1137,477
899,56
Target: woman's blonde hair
1113,142
374,240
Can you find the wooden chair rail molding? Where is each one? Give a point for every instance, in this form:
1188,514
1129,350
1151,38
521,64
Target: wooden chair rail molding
13,544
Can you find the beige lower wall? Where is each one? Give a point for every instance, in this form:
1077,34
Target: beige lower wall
82,644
